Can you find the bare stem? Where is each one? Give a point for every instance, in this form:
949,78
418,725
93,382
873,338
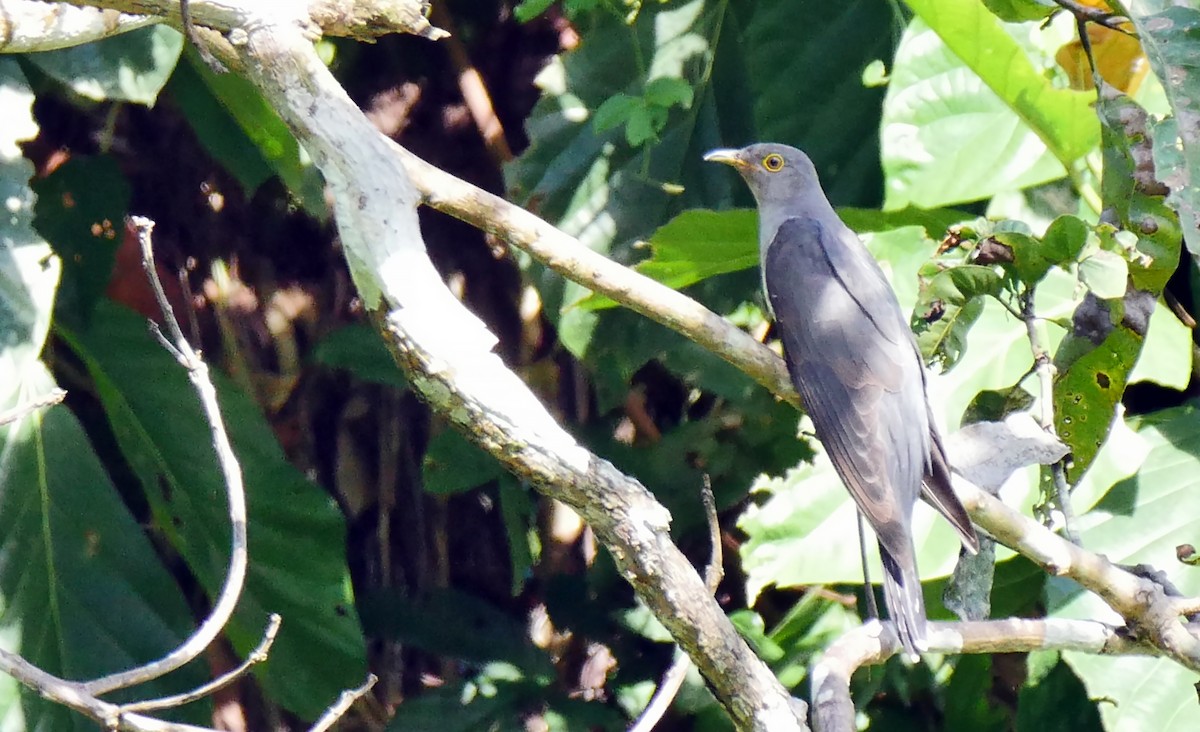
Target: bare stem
234,489
1045,374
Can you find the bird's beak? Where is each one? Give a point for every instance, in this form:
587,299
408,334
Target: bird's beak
728,156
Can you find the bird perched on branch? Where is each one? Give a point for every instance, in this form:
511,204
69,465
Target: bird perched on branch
855,363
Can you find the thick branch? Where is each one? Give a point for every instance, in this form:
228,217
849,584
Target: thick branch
33,25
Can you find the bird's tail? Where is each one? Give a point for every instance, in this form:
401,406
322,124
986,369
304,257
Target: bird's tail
906,605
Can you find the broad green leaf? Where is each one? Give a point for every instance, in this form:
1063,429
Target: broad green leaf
1061,118
1166,357
451,465
1087,391
835,119
81,211
29,271
131,67
527,10
1141,520
1130,267
84,592
241,130
1017,11
1170,35
1130,190
615,111
951,91
297,535
359,349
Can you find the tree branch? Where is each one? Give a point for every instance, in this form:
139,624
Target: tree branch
447,353
34,25
833,708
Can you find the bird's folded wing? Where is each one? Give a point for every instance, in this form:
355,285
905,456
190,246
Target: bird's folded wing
854,368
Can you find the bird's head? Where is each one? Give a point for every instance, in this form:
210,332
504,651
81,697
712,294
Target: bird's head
773,172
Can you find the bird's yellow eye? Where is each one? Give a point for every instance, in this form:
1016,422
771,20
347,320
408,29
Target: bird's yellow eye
773,163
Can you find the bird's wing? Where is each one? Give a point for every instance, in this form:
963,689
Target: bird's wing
851,358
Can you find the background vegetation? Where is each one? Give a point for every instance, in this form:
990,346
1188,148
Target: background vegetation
388,542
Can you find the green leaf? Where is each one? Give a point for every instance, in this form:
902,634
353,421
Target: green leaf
643,125
667,91
1166,357
527,10
1141,520
950,303
297,535
241,130
961,82
1104,273
81,211
131,67
615,112
29,271
1064,239
1061,118
1130,191
836,119
359,349
1170,33
694,246
804,632
1018,11
84,592
1093,365
970,703
452,465
518,510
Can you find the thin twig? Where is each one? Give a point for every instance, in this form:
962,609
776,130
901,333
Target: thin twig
1045,373
189,30
673,679
342,705
9,416
235,492
1088,14
258,655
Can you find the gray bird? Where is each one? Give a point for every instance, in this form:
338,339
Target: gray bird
855,363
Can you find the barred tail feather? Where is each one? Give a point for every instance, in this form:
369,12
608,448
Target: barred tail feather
906,605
